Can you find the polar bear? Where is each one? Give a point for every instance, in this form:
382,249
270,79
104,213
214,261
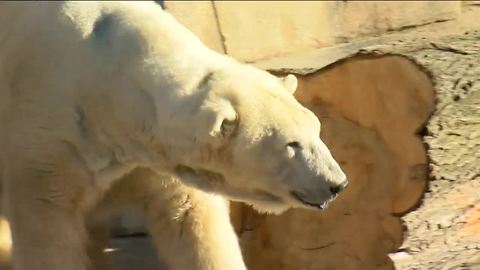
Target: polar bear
113,102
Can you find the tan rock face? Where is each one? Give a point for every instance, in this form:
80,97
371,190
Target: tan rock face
359,18
370,109
265,29
444,232
200,18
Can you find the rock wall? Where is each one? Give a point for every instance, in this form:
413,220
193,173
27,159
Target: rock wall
265,29
444,233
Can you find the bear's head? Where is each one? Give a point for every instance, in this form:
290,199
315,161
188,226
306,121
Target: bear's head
258,145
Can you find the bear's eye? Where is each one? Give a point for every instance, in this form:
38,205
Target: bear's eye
294,145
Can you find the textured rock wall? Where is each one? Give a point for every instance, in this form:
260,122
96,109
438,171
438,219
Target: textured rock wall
201,18
444,233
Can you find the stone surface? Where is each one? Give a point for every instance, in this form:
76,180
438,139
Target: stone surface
200,18
310,61
445,231
358,18
263,30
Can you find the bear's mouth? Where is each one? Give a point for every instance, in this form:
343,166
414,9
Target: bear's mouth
322,205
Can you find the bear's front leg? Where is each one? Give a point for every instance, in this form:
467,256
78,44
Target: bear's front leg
192,230
46,197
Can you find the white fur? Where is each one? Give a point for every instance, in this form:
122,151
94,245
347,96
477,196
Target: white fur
90,93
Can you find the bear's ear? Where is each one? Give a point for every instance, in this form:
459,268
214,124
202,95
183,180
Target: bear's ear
290,82
225,125
222,122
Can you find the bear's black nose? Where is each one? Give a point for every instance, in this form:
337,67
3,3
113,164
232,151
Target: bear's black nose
338,188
